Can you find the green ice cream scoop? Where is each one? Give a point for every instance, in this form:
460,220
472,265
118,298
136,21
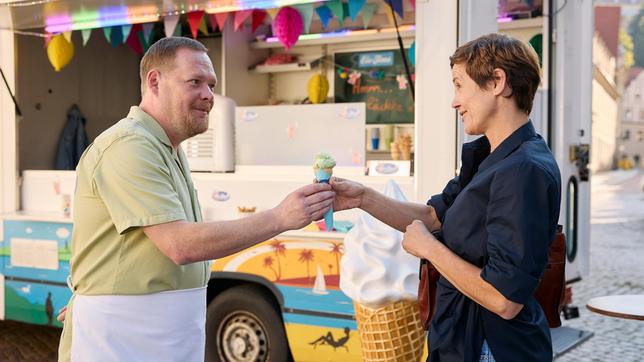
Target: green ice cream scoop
323,160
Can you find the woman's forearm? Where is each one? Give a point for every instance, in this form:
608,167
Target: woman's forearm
466,278
398,214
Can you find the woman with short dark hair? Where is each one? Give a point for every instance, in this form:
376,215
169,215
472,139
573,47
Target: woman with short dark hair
495,220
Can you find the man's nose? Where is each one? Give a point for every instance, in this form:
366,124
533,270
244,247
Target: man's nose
208,94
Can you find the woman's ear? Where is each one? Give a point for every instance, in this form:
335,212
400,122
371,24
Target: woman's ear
501,86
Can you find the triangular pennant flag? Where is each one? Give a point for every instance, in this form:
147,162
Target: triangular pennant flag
240,17
258,19
345,13
306,11
194,18
86,33
413,4
336,8
203,27
144,42
108,34
147,31
221,20
325,14
354,8
390,17
126,29
177,30
170,23
213,22
397,5
367,14
68,36
117,35
132,40
272,12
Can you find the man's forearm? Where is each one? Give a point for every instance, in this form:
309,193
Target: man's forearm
398,214
211,240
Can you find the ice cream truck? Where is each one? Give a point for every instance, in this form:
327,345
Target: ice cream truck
383,116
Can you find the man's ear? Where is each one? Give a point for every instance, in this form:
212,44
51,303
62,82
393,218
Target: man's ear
152,80
501,86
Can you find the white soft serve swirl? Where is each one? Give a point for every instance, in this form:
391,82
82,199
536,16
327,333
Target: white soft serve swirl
375,270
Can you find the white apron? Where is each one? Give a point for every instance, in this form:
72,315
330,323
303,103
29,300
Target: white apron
166,326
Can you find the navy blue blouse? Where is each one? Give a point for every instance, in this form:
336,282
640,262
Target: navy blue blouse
499,214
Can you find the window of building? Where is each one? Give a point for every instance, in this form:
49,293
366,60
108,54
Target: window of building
627,135
628,115
640,136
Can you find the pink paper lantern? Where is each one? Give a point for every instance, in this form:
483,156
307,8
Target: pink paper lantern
288,26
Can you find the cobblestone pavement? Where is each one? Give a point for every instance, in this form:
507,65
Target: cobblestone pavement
616,267
24,342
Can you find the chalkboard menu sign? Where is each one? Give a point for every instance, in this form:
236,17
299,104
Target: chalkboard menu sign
378,79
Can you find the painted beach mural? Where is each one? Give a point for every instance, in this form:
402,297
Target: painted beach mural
318,316
35,264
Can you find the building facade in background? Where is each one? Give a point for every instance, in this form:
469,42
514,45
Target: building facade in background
631,143
605,105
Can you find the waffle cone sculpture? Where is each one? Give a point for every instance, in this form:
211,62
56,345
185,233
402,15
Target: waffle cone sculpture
391,333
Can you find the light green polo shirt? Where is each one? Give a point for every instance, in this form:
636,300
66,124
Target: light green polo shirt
128,178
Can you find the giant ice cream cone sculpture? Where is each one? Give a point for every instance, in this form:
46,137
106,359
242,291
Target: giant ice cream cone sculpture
382,280
323,169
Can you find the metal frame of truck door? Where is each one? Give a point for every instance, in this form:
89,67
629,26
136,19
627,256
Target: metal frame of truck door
571,87
8,146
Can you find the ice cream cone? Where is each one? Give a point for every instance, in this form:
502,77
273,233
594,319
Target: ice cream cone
323,169
390,333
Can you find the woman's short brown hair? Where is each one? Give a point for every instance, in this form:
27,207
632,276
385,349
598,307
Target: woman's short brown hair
517,59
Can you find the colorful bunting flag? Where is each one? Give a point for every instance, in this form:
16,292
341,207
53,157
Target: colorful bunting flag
203,27
133,40
354,8
397,5
413,4
336,9
108,34
144,42
221,20
170,23
306,11
86,33
367,13
117,36
126,29
240,18
325,14
147,32
194,18
177,30
68,35
345,13
390,17
258,19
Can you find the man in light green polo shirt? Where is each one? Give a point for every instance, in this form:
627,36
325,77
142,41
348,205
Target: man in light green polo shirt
139,246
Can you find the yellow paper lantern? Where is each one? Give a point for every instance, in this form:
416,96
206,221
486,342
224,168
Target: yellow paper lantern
60,52
318,88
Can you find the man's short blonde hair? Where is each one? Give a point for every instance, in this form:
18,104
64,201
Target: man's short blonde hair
162,53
